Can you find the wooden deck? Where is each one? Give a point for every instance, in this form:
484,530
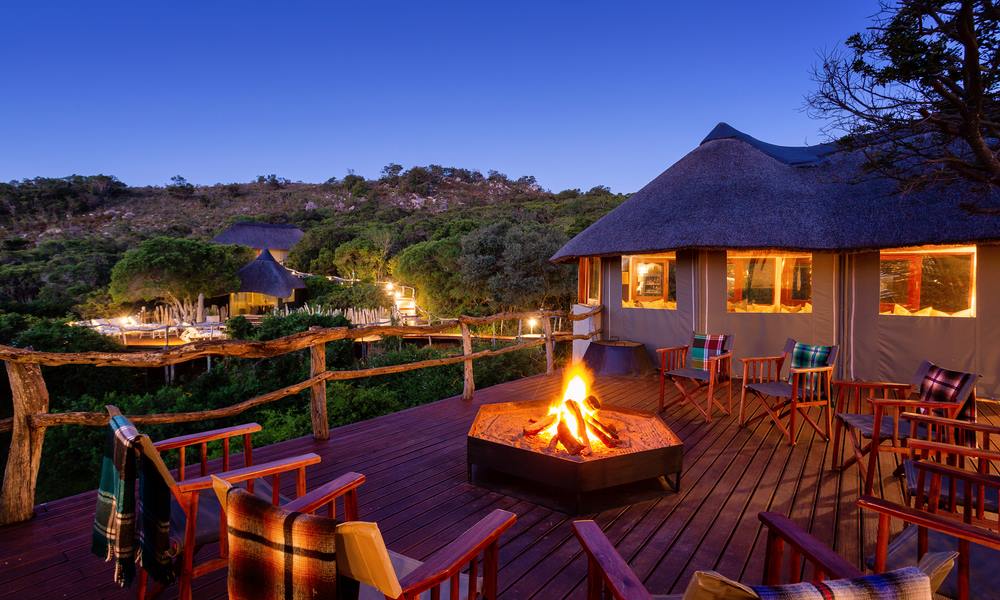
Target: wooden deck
417,492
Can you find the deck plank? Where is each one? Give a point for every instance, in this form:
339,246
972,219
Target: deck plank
417,491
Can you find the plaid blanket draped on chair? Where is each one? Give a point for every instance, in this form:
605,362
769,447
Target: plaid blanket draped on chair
114,531
904,584
944,385
114,521
277,554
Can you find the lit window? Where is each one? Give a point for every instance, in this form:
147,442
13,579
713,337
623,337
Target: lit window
589,281
931,281
649,281
769,282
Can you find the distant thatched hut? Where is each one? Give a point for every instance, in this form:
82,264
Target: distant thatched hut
264,285
768,242
277,238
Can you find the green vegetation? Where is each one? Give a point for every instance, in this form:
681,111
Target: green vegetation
83,246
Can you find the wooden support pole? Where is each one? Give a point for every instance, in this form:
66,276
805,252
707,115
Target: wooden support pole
30,396
469,388
317,365
550,358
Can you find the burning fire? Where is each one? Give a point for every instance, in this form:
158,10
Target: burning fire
572,421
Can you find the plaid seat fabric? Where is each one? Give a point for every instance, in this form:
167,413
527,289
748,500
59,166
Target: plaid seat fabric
909,583
943,385
113,536
703,347
808,356
277,554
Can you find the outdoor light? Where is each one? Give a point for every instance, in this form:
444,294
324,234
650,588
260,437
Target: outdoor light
388,286
398,295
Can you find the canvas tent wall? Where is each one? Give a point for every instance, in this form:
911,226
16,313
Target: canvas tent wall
735,193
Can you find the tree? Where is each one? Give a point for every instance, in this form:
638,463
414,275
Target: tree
919,92
432,268
177,270
357,259
179,187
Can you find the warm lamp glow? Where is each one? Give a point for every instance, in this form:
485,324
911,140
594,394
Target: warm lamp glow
389,286
532,322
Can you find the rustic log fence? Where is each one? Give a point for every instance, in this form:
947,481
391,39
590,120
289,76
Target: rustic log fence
31,398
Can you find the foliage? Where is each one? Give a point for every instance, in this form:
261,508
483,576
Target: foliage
51,277
179,187
329,294
176,270
919,92
55,197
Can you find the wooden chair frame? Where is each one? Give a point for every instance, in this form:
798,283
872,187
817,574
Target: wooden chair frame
609,575
720,371
886,399
968,523
810,387
187,491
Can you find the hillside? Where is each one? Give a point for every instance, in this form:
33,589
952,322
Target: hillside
468,241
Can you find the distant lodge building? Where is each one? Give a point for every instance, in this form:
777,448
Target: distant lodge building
265,283
768,242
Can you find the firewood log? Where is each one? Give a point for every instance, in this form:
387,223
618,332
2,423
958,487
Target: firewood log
605,429
599,432
567,440
593,403
539,425
581,424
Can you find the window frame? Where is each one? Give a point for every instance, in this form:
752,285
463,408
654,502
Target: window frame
584,280
781,259
668,264
914,255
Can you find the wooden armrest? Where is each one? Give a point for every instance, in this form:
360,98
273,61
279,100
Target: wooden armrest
957,423
719,357
873,384
891,402
826,369
834,565
326,493
983,453
252,472
205,436
750,359
452,558
955,473
617,575
672,349
935,521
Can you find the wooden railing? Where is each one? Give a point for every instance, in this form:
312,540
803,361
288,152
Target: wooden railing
31,398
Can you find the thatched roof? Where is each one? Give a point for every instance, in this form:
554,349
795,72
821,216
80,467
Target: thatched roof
265,276
260,235
734,191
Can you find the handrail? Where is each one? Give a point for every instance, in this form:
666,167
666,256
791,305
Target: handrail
31,402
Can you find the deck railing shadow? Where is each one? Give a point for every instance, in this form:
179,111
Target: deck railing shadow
31,399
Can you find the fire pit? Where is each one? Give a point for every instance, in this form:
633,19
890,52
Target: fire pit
574,444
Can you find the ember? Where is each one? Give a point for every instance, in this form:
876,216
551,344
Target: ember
573,422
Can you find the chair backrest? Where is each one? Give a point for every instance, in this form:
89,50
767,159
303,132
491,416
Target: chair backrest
959,494
363,557
149,452
965,396
692,361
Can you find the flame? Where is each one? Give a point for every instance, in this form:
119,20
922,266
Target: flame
577,387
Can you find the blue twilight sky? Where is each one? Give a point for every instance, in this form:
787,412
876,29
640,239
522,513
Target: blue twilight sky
576,93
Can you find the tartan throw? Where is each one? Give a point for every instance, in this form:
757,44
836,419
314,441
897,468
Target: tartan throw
807,356
277,554
703,347
943,385
113,534
157,550
114,531
909,583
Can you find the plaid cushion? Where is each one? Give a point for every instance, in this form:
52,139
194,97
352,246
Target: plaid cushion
903,584
808,356
942,385
703,347
274,553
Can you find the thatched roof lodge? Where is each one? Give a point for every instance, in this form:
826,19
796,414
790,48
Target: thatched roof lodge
768,242
276,237
264,284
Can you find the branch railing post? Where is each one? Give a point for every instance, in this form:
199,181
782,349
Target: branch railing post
469,380
30,397
317,365
550,359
